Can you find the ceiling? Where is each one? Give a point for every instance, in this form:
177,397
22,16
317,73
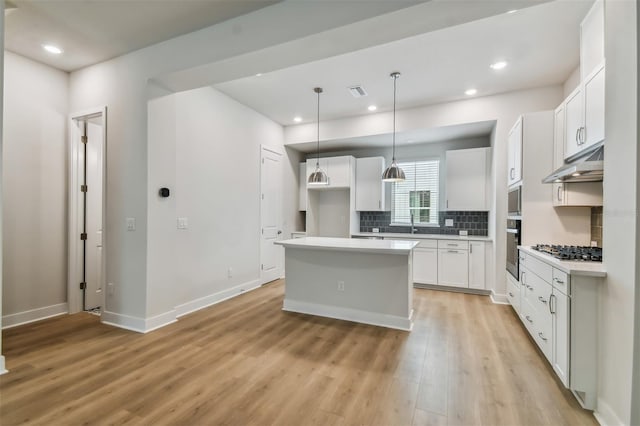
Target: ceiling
540,43
94,31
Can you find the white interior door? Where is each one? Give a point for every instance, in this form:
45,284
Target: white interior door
94,176
271,255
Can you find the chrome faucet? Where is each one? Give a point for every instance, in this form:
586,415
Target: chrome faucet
412,222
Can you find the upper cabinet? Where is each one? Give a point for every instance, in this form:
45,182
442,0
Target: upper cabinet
339,170
514,152
371,192
467,172
592,40
584,114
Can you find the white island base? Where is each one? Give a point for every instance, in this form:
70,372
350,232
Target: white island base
367,281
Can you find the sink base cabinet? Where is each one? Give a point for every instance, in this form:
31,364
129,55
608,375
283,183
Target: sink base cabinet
425,265
453,267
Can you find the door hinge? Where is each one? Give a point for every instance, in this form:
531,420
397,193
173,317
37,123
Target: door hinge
83,286
83,236
83,188
84,139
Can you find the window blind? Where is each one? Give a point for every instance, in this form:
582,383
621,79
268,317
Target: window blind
418,194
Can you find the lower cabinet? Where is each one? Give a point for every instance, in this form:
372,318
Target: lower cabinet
453,267
425,265
477,266
560,308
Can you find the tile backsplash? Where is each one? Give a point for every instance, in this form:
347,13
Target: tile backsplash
476,223
596,225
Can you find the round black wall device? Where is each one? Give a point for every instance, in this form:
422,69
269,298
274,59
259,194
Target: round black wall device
164,192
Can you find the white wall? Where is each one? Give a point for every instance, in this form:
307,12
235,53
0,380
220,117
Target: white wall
572,82
2,368
620,217
504,109
205,147
34,174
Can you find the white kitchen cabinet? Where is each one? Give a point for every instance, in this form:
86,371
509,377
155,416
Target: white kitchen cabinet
466,179
514,153
453,267
570,194
338,169
584,114
592,39
477,265
560,310
302,187
425,265
371,191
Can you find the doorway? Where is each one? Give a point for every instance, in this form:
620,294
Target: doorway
87,212
271,255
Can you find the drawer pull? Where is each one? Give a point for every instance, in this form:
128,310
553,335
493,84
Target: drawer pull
542,336
559,281
529,287
552,298
540,298
511,294
529,319
453,251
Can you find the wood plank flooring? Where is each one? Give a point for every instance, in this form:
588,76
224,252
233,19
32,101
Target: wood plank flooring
246,362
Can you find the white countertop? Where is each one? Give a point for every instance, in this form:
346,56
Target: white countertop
587,269
391,235
351,244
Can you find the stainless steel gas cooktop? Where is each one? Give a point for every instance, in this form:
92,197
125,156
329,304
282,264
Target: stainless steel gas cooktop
579,253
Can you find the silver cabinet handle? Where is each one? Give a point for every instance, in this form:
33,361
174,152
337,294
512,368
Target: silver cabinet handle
542,336
511,294
529,287
540,298
522,276
559,281
529,319
452,251
551,302
512,173
578,136
583,135
559,191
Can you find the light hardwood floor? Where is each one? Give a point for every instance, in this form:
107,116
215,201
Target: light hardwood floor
246,362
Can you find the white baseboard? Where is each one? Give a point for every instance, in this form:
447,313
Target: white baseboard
3,370
20,318
499,299
605,415
383,320
123,321
159,321
212,299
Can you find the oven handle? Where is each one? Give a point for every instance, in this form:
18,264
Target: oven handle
512,231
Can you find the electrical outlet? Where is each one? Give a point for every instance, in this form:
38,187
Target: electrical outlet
340,285
183,223
229,272
131,223
448,222
110,289
375,230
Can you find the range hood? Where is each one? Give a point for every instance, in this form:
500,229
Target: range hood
587,167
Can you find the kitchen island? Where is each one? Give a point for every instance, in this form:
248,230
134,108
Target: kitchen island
367,281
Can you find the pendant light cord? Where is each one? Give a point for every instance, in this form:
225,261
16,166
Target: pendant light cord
393,154
318,138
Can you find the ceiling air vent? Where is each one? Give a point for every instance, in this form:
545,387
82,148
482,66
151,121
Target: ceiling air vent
357,91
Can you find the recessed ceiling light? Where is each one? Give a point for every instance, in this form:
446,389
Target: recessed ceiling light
470,92
512,11
297,119
259,74
372,107
52,49
498,65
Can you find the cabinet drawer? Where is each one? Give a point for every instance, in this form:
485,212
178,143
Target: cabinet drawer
561,281
428,244
513,293
539,268
528,281
448,244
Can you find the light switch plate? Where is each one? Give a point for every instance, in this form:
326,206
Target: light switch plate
448,222
375,230
183,223
463,233
131,223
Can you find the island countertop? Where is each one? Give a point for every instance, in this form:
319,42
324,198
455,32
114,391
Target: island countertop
351,244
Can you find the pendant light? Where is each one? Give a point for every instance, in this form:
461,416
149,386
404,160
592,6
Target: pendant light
393,172
319,177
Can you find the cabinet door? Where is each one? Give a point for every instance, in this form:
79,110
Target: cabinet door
558,194
453,268
425,266
476,265
560,360
513,292
370,189
466,179
573,123
339,172
514,148
302,187
558,137
593,131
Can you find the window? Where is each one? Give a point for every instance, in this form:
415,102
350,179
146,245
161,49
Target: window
417,195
